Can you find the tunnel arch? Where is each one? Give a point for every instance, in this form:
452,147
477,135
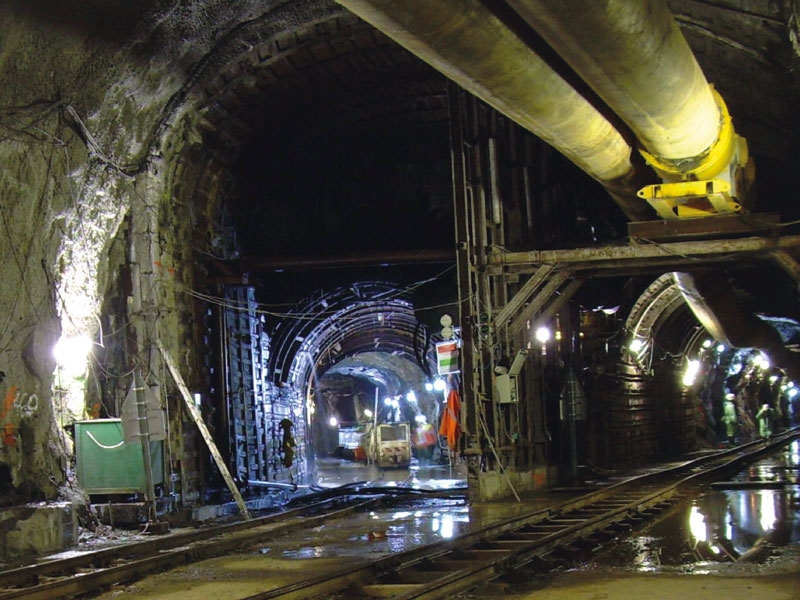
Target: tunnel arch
266,80
333,325
682,375
298,76
262,82
349,350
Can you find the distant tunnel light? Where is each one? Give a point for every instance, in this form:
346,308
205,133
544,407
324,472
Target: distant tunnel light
761,361
692,368
411,396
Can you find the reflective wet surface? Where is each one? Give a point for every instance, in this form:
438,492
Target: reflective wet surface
377,533
740,539
751,518
332,472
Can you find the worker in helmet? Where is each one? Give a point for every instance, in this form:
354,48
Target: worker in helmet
425,441
765,416
729,417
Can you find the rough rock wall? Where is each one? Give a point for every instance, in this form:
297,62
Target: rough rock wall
89,91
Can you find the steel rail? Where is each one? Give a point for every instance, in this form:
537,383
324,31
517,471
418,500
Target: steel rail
433,571
86,572
440,570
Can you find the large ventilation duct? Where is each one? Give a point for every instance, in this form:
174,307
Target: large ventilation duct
470,45
635,58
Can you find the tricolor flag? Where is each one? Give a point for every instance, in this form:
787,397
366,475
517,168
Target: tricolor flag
447,357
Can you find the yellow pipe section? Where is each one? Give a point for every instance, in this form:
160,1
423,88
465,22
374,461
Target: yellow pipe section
635,58
468,44
714,160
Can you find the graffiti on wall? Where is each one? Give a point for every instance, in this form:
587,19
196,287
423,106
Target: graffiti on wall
16,404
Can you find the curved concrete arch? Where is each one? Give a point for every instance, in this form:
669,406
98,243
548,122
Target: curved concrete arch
657,303
332,326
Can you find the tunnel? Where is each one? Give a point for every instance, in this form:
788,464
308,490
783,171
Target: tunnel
267,210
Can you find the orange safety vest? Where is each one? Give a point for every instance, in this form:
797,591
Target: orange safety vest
450,426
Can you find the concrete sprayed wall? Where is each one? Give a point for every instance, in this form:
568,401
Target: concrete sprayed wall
92,102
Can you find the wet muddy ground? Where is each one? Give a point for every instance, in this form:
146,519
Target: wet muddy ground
735,540
738,539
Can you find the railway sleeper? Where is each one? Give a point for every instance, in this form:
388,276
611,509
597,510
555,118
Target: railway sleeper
514,545
519,537
541,528
589,512
488,554
412,576
568,520
620,526
390,590
606,505
471,556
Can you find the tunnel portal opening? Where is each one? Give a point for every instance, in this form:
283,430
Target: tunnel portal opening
339,371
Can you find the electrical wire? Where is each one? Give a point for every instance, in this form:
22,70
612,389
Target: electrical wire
318,316
18,263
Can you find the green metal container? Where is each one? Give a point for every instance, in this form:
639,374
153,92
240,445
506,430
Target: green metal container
106,464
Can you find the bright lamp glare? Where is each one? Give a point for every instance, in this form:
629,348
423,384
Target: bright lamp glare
542,334
692,369
636,345
697,525
411,396
439,385
368,413
333,422
71,353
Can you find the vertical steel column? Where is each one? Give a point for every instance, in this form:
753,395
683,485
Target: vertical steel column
471,382
478,141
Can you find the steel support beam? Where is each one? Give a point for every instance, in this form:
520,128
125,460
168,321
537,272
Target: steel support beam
578,259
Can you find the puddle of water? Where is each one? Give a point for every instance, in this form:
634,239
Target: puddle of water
723,525
377,533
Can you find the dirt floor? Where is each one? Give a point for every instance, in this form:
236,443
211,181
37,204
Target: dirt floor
777,578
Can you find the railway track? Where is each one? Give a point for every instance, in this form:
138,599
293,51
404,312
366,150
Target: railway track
437,570
94,570
444,569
